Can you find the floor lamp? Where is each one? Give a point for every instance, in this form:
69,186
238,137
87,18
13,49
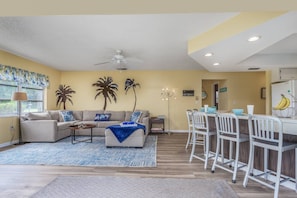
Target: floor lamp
166,94
19,96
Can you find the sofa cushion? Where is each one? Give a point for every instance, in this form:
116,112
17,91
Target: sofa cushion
39,116
128,115
88,122
64,125
78,115
116,115
102,117
105,124
67,116
55,115
135,117
89,115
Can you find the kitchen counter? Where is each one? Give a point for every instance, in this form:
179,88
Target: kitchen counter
289,124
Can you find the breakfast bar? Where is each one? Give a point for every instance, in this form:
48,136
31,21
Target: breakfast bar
288,159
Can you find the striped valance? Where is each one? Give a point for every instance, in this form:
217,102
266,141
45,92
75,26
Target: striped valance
21,76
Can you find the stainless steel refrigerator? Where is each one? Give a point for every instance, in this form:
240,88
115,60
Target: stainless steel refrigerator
289,90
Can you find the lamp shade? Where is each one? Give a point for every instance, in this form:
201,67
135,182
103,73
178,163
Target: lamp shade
19,96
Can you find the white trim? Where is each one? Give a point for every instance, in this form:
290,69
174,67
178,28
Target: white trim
177,131
5,144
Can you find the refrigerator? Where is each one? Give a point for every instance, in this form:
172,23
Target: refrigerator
289,90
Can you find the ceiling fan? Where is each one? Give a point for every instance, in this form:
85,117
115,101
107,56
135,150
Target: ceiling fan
117,59
120,60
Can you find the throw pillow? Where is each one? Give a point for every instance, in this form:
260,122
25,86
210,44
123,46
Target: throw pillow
135,116
67,116
102,117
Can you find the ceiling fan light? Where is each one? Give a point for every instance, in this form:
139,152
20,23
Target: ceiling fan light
254,38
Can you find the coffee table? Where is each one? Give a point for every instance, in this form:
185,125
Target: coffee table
81,126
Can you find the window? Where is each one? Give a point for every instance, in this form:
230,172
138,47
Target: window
35,102
7,107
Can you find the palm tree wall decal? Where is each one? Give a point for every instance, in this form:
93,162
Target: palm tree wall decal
130,83
107,88
63,94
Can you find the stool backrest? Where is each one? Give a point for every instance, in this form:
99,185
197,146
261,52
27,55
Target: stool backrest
227,124
200,121
189,117
266,128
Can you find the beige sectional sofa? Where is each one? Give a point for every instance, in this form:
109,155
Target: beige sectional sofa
50,127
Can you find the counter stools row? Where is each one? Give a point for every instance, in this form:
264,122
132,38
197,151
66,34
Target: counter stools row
264,131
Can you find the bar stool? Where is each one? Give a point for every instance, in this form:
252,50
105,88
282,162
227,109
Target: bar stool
227,125
201,127
267,132
198,140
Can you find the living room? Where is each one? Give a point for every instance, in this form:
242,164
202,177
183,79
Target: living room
239,89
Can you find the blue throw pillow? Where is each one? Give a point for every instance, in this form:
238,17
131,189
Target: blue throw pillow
135,116
67,116
102,117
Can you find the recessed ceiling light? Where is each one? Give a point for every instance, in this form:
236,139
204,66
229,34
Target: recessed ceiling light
254,38
208,54
216,64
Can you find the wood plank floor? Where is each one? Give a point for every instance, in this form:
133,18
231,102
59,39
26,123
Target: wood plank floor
172,159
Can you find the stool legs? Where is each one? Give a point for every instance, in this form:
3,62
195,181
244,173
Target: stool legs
217,155
189,138
193,147
206,146
296,169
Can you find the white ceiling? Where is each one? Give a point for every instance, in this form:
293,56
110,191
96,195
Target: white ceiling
149,41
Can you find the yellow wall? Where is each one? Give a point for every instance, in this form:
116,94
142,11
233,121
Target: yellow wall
18,62
242,89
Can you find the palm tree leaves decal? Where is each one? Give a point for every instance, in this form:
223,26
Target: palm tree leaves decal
130,83
107,88
63,94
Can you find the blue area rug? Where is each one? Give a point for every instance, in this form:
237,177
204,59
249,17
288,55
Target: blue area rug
64,153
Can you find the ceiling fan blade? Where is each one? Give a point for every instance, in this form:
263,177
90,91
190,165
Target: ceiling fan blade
102,63
135,60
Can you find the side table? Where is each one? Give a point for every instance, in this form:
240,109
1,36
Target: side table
157,125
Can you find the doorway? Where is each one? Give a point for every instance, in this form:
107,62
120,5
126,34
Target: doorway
216,95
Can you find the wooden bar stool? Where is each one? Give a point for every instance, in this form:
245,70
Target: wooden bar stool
267,132
227,126
201,128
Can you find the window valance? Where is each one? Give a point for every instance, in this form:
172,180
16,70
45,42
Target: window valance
21,76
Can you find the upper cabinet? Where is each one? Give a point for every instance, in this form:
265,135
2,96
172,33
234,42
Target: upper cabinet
283,74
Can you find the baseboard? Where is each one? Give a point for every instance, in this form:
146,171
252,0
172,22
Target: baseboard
5,144
177,131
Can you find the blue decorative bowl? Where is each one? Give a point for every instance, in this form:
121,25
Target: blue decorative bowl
211,110
237,111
